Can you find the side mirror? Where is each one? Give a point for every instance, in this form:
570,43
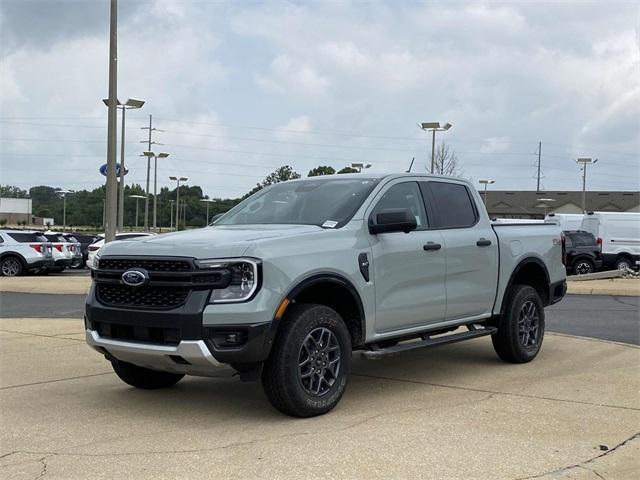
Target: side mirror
216,217
392,220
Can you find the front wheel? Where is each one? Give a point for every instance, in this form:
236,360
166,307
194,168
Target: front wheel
144,378
309,367
521,327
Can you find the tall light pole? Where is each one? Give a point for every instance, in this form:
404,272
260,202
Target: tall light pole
137,197
171,202
584,162
112,187
434,127
485,183
64,193
207,201
128,105
178,180
360,166
155,157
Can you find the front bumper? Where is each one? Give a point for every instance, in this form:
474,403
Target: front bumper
176,339
188,357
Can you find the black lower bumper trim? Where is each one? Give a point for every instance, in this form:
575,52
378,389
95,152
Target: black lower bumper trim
246,343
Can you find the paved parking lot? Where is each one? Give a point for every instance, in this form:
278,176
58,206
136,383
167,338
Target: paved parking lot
451,412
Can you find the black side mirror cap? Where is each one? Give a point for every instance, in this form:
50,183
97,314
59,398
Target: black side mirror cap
392,220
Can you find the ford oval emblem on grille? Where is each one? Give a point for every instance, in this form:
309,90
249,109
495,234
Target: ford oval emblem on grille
135,278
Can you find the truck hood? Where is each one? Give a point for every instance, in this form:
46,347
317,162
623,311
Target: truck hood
210,242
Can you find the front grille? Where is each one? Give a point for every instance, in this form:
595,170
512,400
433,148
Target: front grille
149,264
142,297
157,335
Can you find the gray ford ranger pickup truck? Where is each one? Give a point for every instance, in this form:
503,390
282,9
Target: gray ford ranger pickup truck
287,284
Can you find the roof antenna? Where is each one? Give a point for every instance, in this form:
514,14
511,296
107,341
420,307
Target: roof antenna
411,164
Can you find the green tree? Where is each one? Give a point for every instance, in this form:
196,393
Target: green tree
281,174
348,170
9,191
321,170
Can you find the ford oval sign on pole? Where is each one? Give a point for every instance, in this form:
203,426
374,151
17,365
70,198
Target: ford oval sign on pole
103,170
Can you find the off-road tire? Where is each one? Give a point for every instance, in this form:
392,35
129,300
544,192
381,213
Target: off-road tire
11,266
144,378
281,375
508,341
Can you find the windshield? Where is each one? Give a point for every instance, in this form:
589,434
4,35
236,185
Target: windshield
329,203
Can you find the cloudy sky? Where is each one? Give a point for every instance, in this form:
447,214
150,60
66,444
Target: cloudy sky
240,88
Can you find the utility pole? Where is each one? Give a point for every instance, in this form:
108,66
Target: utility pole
584,162
149,142
111,216
539,157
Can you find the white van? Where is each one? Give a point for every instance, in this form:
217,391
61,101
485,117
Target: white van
567,221
618,235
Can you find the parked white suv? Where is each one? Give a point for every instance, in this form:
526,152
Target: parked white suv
62,251
94,247
23,251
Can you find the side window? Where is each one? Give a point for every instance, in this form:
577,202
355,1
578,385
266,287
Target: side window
454,205
1,239
404,195
568,242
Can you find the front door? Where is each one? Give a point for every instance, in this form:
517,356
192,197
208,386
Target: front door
408,268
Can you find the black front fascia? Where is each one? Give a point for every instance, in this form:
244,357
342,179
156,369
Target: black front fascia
187,318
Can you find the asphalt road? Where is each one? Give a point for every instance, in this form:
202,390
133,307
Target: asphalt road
595,316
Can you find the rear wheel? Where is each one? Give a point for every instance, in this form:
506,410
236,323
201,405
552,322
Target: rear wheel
521,327
144,378
11,266
622,263
310,363
582,266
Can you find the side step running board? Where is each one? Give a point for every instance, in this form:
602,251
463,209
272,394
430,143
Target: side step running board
376,353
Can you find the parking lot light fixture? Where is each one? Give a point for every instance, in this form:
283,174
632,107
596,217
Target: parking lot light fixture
178,180
584,161
486,183
434,127
155,183
207,201
130,104
137,197
63,194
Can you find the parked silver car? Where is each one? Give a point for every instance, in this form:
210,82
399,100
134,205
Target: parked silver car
24,251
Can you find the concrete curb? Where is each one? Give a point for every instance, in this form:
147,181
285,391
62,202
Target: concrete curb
616,287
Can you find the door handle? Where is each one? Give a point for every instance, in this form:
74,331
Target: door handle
431,246
483,242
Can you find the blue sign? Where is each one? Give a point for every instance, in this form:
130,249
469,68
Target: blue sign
103,170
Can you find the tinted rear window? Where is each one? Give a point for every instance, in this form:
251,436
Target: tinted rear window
27,237
55,238
454,205
582,239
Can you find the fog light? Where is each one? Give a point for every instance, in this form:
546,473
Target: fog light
232,338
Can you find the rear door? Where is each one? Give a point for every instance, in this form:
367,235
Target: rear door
409,278
471,249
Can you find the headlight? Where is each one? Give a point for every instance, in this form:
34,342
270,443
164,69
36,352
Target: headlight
96,262
244,282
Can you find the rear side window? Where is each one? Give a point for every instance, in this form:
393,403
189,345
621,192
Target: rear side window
454,205
584,239
27,237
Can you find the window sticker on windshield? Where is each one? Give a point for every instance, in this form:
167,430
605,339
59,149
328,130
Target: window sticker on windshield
329,224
